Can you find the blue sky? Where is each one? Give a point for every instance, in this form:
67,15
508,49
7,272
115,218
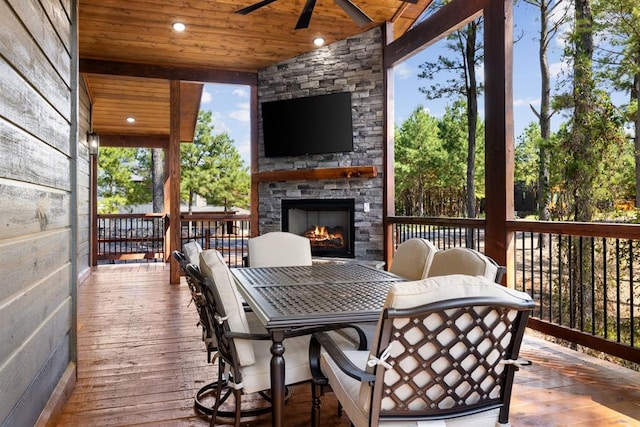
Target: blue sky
230,104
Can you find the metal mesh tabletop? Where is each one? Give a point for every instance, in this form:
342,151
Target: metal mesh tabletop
324,298
316,294
318,273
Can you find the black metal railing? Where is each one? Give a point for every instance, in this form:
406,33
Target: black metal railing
443,232
130,237
227,233
584,277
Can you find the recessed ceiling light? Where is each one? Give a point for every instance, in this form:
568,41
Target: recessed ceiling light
318,41
179,26
131,119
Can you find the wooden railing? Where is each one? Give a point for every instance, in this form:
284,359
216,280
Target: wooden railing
130,237
228,233
584,277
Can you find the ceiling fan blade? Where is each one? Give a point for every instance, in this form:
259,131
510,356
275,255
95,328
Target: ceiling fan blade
358,16
305,16
254,6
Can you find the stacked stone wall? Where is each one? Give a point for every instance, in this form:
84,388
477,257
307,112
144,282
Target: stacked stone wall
353,65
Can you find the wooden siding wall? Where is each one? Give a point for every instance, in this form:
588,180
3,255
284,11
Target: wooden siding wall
37,196
83,184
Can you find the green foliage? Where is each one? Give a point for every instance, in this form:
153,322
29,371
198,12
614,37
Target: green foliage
212,167
467,53
596,171
527,158
430,159
121,179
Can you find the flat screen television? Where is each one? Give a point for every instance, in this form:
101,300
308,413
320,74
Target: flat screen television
310,125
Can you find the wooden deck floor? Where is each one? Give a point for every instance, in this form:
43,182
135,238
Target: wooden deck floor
140,361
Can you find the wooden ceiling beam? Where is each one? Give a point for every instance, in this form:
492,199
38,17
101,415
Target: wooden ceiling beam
445,20
134,141
190,74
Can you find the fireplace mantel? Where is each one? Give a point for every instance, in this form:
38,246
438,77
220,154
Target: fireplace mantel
347,172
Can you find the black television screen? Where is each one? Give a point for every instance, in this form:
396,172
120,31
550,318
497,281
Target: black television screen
310,125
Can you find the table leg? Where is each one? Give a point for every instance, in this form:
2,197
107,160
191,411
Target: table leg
277,379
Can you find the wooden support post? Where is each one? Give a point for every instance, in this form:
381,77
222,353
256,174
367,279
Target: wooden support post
499,146
389,208
93,234
172,182
255,184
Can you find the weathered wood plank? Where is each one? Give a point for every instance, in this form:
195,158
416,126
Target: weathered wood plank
33,16
27,159
22,105
60,20
26,361
47,210
29,259
42,387
30,308
21,50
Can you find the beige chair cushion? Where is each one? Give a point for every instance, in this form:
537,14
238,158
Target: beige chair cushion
279,249
257,376
413,258
192,251
213,267
462,261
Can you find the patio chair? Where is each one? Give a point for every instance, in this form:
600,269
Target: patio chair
279,249
445,354
192,251
465,261
194,281
413,258
244,355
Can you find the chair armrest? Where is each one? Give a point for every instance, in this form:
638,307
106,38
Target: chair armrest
362,337
322,340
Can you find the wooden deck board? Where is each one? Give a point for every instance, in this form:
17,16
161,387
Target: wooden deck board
141,360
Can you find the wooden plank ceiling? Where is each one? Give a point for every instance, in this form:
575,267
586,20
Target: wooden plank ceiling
131,37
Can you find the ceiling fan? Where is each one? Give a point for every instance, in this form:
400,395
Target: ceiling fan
358,16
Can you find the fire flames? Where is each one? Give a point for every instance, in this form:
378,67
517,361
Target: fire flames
325,236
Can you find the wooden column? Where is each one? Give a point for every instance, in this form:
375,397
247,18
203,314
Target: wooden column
93,227
172,182
255,184
388,196
499,147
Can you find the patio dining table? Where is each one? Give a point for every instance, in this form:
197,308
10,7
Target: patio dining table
285,298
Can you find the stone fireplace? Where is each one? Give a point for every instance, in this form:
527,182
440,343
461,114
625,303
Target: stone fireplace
353,65
328,223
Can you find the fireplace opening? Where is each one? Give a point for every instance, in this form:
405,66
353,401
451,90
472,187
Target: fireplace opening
327,223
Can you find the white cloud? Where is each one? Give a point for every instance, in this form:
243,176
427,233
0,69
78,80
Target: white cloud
241,113
219,125
403,71
241,93
206,97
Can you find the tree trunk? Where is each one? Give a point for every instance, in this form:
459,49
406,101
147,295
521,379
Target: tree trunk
157,178
636,139
472,122
544,117
582,168
472,116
